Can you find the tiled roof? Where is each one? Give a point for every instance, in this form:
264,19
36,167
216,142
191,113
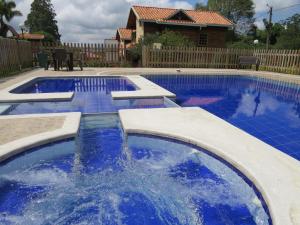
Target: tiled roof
125,34
32,36
198,17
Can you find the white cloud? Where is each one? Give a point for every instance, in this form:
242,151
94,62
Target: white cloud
92,20
260,24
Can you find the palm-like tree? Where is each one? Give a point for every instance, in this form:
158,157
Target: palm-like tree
7,12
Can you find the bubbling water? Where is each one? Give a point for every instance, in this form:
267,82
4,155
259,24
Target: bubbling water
143,180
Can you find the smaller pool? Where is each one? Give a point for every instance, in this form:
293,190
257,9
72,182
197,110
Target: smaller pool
75,84
91,95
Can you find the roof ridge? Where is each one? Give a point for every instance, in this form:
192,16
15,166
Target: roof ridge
146,6
195,15
155,7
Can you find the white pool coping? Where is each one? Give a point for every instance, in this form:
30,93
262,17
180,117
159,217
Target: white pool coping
275,174
144,89
6,95
69,129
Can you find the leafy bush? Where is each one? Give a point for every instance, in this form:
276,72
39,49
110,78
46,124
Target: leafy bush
290,36
166,38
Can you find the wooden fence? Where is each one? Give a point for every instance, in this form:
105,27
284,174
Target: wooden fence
92,54
285,61
15,55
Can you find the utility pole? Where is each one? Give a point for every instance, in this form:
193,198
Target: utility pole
269,26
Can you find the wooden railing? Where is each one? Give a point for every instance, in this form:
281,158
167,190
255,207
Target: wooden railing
92,54
15,55
285,61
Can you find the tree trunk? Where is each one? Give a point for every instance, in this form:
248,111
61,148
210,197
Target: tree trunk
3,28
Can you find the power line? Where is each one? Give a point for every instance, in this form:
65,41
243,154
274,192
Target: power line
286,7
278,9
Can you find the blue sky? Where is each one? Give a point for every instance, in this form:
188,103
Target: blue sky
95,20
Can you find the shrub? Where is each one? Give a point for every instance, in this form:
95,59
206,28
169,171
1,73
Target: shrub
166,38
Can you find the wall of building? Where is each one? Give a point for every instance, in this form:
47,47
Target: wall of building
216,36
139,30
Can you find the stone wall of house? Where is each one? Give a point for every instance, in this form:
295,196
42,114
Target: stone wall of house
139,30
216,36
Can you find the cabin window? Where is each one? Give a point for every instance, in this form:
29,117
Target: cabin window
203,40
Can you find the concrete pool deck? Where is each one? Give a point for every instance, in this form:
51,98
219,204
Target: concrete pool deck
146,89
276,175
21,132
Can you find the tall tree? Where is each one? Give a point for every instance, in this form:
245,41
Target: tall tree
42,19
7,12
289,37
241,12
200,6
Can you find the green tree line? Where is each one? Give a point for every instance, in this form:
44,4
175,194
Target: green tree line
283,35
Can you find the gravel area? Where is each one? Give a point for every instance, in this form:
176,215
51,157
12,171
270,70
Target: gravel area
16,128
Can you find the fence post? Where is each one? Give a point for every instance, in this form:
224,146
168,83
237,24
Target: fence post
18,53
144,56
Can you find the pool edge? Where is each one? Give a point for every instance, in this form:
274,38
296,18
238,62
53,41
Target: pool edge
279,187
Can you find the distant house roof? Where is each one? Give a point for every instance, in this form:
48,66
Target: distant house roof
125,34
28,36
192,17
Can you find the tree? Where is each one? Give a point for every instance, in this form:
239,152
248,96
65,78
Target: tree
7,12
290,36
42,19
240,12
200,6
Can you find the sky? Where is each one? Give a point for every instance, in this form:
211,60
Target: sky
94,20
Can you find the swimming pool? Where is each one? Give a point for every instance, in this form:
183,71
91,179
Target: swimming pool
91,95
75,84
266,109
103,178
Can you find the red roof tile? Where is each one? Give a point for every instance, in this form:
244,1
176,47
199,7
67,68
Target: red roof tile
32,36
125,34
198,17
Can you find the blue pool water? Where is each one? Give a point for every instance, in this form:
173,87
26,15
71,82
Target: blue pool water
269,110
102,178
91,95
76,84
